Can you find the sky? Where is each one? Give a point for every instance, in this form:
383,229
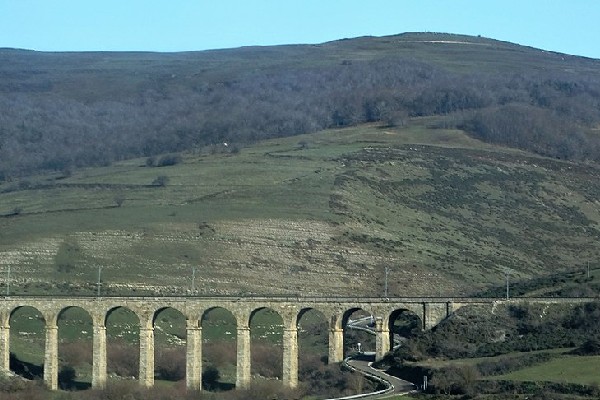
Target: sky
566,26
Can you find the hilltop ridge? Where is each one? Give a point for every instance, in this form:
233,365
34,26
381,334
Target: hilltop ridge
59,106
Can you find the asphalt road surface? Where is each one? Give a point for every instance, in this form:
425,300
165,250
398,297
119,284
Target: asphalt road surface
363,363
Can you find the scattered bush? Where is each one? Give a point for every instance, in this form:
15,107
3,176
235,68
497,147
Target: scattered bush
76,353
168,160
210,378
221,352
590,347
119,199
508,364
454,380
66,377
123,359
161,180
170,364
164,161
267,360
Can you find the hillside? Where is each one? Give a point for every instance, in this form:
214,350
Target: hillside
61,111
320,213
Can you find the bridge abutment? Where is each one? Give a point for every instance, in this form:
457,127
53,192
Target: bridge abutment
433,314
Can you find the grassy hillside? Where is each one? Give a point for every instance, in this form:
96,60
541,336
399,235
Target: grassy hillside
322,213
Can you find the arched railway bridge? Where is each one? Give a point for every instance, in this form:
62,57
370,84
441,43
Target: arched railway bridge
337,310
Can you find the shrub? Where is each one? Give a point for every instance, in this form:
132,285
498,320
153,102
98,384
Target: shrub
265,389
11,384
590,347
267,360
119,199
150,161
454,380
161,180
210,378
220,353
66,377
168,160
123,359
170,364
76,353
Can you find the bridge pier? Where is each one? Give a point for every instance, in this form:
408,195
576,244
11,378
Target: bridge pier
99,356
243,357
382,339
336,345
51,355
193,370
4,347
290,357
147,355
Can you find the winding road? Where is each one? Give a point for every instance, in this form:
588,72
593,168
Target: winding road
362,363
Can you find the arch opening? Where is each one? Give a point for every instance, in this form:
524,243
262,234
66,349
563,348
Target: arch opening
170,340
122,343
318,377
219,349
405,323
266,343
27,342
359,336
74,348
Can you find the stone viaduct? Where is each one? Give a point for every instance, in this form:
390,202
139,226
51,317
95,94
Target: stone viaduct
336,310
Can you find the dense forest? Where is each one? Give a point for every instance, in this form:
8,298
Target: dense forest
65,110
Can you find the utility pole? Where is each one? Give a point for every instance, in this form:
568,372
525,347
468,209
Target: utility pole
193,280
385,291
588,270
507,286
8,280
99,279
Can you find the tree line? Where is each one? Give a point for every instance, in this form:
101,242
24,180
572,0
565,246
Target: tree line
552,113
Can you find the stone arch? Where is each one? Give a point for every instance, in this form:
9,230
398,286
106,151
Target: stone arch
117,308
205,312
219,347
411,322
266,333
75,354
305,310
352,337
313,339
170,341
165,308
30,360
122,340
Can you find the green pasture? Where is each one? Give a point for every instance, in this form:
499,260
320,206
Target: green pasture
565,369
341,203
